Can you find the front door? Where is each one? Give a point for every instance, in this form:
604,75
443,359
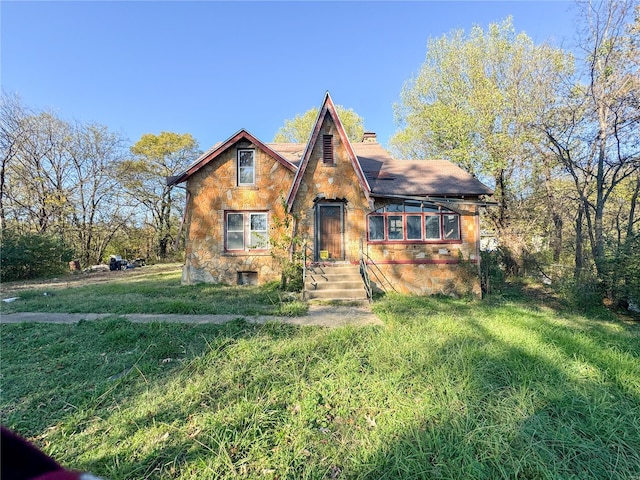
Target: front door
329,232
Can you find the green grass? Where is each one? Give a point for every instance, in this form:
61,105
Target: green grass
447,388
157,293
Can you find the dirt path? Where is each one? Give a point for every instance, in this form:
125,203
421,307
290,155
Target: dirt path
78,279
318,315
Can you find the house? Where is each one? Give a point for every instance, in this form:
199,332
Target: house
414,224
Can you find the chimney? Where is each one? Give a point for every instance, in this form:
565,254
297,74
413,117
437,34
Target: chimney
369,137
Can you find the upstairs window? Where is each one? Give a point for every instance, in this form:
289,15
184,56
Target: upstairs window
246,167
412,223
327,149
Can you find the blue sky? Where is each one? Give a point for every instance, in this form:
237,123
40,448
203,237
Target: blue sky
212,68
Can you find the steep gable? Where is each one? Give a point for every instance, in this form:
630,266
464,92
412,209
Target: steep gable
220,148
328,109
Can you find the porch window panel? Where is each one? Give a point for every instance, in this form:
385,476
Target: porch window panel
414,227
376,227
451,227
432,227
395,227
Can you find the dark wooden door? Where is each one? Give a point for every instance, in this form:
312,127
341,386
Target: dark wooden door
330,231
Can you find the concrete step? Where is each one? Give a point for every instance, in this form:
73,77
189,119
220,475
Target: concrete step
336,294
333,284
340,282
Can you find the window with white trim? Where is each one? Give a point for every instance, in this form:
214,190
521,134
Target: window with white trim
413,222
246,168
246,231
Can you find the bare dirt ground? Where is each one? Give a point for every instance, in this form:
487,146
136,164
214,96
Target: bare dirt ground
77,279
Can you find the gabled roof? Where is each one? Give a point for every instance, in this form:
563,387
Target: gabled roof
219,148
388,176
328,108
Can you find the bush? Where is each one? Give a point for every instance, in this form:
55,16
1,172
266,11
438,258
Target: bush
492,274
31,255
622,277
583,293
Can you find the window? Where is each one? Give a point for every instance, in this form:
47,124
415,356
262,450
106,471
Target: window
413,222
451,227
414,227
394,225
376,227
247,231
246,167
327,149
432,227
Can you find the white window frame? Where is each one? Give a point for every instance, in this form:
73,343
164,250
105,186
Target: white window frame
248,245
241,168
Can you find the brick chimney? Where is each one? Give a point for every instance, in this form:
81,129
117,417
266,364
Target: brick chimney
369,137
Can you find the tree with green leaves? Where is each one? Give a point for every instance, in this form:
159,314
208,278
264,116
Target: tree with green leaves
593,132
475,102
157,157
298,129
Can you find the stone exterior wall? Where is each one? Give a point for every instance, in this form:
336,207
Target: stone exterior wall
419,268
431,267
213,191
325,183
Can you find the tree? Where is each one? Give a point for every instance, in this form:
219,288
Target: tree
58,178
99,209
298,129
157,157
594,132
475,102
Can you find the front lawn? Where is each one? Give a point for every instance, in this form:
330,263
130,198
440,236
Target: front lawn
155,293
447,388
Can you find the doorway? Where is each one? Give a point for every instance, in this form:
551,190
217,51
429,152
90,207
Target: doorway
330,232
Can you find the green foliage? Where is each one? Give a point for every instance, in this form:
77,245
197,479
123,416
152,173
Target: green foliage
32,255
298,129
584,293
286,249
492,274
156,158
622,277
505,388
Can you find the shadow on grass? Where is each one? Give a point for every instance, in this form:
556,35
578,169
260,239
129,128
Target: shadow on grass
449,388
541,400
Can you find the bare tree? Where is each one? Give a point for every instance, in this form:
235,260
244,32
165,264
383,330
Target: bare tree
594,134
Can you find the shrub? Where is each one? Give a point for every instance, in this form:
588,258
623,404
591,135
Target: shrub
622,277
31,255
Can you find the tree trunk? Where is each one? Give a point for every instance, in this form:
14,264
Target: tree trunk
632,209
579,256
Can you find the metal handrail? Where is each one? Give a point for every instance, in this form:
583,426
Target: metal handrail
365,274
305,248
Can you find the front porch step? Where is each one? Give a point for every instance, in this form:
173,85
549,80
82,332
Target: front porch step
341,282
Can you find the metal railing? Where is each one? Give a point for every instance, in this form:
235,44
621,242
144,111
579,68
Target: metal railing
306,249
365,273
